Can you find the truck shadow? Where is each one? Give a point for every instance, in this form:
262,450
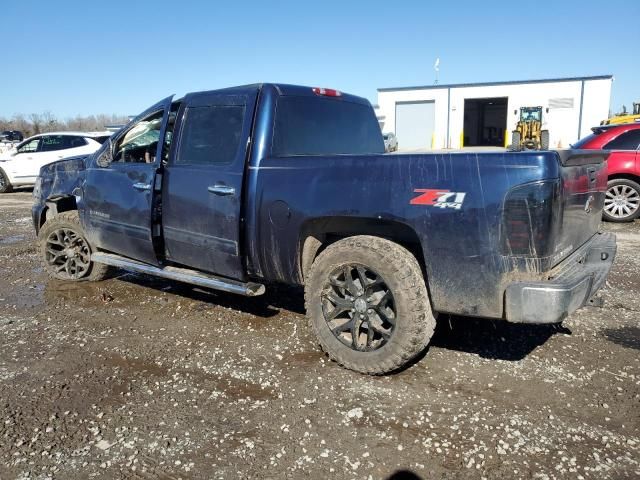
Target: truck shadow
492,339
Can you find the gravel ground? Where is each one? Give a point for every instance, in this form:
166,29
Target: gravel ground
139,378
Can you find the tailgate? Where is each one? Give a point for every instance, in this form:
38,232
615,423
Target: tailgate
583,187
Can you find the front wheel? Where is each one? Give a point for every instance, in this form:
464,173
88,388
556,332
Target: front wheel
368,305
65,251
622,201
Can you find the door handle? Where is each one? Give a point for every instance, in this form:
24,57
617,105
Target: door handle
142,186
222,189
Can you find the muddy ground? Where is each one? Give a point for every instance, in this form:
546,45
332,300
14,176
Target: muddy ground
139,378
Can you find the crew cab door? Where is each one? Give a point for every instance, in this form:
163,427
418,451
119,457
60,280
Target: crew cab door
119,189
202,191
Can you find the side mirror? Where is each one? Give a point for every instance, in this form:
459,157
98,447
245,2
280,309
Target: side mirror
106,157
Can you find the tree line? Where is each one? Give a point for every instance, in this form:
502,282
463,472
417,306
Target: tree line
35,123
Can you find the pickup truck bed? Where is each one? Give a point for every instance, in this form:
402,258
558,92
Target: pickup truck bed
275,183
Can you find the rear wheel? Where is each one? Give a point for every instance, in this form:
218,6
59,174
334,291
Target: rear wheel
5,186
622,200
65,251
515,141
544,140
368,305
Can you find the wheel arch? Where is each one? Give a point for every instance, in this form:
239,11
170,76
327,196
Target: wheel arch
625,176
54,206
316,235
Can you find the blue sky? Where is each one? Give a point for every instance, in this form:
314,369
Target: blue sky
81,57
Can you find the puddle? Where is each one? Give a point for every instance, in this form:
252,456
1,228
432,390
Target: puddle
628,337
57,289
11,239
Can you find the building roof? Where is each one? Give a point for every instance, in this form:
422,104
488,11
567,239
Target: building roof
489,84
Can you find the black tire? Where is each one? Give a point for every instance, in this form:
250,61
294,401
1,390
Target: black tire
544,140
391,273
621,201
61,233
515,141
5,186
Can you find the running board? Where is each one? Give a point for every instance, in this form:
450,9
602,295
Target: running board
180,274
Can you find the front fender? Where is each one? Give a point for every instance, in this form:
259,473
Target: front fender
54,189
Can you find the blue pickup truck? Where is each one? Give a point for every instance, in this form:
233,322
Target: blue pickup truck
238,188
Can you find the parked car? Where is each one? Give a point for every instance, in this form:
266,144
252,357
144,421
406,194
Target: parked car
622,202
390,142
237,188
20,165
11,136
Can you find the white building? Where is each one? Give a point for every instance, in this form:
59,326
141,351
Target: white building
484,114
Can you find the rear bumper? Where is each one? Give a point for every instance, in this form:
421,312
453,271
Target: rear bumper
571,284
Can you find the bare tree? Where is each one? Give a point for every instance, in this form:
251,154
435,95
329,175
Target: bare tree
35,123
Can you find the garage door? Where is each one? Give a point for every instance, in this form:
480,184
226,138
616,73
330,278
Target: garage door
414,125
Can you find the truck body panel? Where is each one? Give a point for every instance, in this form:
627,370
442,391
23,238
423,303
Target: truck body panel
466,263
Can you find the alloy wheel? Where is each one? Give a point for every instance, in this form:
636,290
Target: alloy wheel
621,201
68,253
358,307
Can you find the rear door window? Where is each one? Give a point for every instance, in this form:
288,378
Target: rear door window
627,141
211,135
324,126
51,143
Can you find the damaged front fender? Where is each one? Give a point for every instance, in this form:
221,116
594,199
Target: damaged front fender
55,186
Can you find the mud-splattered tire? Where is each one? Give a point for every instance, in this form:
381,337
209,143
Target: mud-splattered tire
400,329
5,186
66,252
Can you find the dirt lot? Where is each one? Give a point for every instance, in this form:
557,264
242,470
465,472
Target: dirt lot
139,378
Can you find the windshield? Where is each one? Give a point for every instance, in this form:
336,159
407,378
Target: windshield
530,115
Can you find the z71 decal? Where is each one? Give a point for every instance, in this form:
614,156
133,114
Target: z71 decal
438,198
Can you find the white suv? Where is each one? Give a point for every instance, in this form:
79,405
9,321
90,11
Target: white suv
20,166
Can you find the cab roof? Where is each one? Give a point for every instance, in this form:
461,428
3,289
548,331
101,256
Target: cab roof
281,89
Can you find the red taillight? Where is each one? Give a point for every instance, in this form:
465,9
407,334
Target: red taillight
327,92
530,216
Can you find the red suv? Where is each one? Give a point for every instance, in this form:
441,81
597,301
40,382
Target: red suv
622,202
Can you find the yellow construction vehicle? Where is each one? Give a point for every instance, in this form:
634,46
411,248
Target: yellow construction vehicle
529,134
624,117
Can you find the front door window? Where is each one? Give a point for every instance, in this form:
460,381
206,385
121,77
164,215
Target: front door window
140,143
29,146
